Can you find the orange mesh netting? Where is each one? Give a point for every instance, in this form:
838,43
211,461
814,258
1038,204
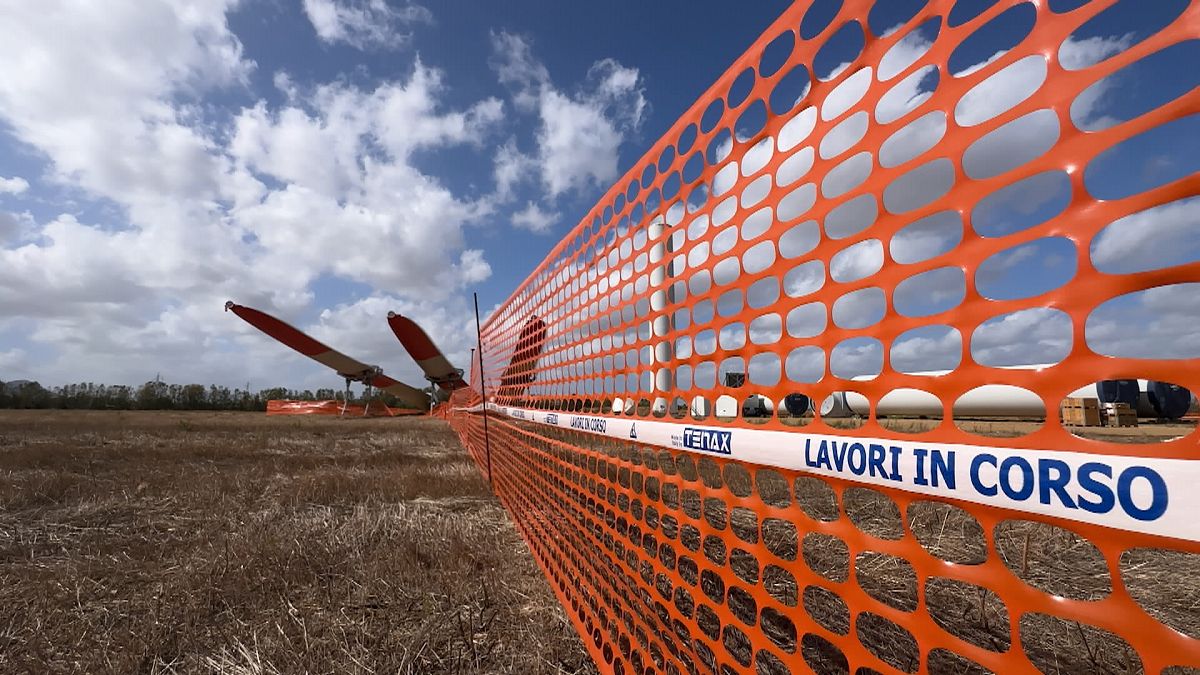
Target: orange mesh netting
788,399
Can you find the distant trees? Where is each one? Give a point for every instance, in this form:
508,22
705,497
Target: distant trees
153,395
25,394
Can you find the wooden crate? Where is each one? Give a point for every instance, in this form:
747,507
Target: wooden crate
1081,412
1119,415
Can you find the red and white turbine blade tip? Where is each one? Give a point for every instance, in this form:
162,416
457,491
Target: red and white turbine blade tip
432,361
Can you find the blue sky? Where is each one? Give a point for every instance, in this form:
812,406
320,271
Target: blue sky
331,160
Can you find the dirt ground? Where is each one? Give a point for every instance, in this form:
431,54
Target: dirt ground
233,542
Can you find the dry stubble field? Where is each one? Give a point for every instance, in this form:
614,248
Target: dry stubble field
234,542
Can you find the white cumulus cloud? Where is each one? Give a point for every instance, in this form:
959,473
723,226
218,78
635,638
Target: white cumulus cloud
511,168
1076,54
13,186
365,24
1157,237
534,219
580,133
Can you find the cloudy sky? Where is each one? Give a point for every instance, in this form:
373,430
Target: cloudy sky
326,160
331,160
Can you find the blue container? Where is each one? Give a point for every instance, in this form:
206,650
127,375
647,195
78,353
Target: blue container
1118,391
797,404
1170,401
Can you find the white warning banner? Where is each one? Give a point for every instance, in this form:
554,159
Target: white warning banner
1142,494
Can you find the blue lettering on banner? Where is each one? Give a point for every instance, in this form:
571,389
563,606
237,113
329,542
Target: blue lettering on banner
633,431
1158,493
552,418
1103,493
708,440
1056,483
977,479
940,470
597,425
1014,489
855,457
517,413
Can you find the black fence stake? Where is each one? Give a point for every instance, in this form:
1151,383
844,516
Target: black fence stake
487,443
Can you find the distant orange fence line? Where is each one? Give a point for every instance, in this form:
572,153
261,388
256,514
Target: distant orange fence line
374,409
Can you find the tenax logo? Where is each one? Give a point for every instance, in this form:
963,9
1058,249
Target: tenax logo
708,440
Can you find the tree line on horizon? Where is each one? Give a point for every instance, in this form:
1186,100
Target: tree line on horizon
154,395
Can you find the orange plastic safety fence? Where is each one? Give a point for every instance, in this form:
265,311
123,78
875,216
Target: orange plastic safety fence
792,397
372,409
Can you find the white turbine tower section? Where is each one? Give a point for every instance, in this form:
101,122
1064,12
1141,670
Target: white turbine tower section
660,299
